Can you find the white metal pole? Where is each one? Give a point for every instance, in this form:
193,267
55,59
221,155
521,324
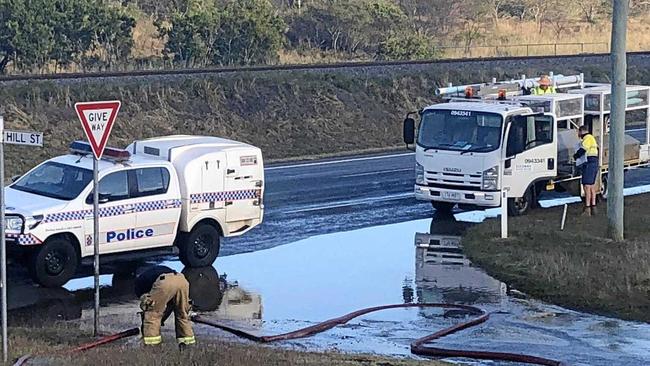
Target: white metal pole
566,207
3,246
96,241
504,213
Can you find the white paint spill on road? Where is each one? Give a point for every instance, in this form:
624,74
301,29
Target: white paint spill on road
479,216
378,172
338,161
347,203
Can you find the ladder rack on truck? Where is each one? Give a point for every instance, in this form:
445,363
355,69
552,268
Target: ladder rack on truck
466,170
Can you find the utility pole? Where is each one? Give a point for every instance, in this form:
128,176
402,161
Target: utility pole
615,203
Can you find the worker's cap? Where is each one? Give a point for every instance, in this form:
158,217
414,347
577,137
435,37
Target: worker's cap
544,81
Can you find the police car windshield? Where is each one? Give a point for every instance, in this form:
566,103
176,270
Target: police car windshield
55,180
460,130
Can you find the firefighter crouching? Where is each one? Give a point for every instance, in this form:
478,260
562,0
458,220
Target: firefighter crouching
163,291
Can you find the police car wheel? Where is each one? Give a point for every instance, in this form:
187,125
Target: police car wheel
54,263
201,247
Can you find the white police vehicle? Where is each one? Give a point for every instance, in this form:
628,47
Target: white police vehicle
161,195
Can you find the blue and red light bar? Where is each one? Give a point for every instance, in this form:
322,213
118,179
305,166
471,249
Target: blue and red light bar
110,153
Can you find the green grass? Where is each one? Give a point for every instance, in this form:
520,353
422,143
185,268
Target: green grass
578,268
47,345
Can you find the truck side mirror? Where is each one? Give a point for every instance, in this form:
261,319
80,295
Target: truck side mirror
409,131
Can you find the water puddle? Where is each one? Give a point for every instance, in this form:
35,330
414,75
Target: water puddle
300,284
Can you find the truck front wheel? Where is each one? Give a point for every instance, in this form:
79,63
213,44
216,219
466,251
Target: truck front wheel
520,206
54,263
201,247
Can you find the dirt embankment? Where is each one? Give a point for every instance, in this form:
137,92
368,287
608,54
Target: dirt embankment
287,113
577,268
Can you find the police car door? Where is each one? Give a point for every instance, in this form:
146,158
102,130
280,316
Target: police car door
531,152
117,215
158,207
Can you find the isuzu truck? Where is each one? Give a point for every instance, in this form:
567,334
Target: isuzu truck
485,138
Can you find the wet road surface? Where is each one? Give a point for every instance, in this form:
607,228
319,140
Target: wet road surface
351,229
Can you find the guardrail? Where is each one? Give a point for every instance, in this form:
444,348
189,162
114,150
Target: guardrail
525,49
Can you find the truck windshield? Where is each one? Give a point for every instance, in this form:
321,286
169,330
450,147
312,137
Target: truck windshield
460,130
55,180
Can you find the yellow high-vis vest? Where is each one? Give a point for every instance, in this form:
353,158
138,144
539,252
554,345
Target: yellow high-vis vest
590,145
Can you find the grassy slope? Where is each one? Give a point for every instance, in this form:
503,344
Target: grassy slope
577,268
287,114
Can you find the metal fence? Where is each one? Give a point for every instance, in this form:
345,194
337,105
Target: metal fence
525,49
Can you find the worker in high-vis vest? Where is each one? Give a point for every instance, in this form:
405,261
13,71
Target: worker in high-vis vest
545,86
588,148
162,291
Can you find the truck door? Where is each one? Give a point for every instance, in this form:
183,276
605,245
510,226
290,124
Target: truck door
531,152
243,173
158,207
117,215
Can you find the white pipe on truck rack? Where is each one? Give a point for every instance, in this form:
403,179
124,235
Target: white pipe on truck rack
560,81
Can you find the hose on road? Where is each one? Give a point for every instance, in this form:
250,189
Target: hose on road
418,346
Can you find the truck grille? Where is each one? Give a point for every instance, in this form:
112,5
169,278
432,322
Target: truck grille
453,180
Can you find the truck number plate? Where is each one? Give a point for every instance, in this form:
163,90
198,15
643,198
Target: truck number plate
451,195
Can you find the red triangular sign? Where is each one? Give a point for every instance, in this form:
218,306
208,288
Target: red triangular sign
97,120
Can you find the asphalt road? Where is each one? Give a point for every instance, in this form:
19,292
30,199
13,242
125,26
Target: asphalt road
326,196
303,200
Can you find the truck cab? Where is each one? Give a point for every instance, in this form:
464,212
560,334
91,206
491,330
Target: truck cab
466,152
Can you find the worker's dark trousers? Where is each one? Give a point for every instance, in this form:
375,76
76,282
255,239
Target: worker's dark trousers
172,289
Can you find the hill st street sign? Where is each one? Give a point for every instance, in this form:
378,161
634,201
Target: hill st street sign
22,138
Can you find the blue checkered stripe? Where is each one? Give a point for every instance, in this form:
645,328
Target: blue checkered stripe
65,216
225,196
113,210
157,205
23,239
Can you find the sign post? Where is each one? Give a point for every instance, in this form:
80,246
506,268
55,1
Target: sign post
504,213
97,120
3,247
14,138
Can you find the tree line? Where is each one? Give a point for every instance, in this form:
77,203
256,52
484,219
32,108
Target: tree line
50,35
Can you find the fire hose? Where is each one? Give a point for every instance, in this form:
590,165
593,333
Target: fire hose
418,346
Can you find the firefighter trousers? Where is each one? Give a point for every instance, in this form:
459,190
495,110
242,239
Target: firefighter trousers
170,291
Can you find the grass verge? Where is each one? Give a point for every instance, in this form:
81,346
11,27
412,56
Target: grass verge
44,343
578,268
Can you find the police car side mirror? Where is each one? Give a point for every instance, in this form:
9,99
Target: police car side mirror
15,178
103,198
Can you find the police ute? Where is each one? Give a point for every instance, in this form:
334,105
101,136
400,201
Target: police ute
487,139
166,195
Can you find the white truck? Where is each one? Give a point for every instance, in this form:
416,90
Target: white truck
176,194
490,136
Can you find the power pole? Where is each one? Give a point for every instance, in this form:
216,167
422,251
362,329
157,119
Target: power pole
615,203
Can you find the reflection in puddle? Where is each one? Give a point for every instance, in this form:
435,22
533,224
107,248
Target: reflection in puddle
299,284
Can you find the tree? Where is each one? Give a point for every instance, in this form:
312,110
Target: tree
406,46
113,34
190,36
250,32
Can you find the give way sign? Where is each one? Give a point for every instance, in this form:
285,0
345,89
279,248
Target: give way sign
97,119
